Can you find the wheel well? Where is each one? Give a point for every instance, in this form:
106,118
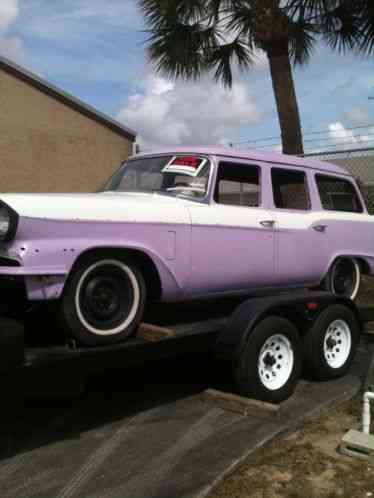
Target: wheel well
141,260
363,264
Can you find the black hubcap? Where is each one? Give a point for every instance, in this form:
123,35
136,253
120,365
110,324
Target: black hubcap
106,297
344,280
102,297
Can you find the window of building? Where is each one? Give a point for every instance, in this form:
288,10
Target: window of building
338,194
238,185
290,189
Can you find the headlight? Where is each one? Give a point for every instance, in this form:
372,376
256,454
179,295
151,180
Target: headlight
8,222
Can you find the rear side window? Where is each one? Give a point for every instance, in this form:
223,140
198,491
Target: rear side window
238,185
290,189
338,194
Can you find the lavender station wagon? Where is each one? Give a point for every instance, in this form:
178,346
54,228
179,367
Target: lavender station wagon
182,224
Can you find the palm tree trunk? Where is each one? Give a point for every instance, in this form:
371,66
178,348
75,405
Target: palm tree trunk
285,96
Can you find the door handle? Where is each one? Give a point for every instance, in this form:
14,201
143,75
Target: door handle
267,223
319,228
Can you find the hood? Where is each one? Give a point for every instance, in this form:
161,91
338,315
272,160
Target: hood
106,206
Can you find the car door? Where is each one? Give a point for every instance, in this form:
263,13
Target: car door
348,228
232,245
300,238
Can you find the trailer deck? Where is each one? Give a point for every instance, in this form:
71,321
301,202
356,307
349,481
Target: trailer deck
194,328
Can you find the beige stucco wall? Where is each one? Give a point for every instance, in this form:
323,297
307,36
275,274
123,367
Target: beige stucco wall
45,146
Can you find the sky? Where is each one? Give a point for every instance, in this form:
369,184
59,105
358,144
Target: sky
96,50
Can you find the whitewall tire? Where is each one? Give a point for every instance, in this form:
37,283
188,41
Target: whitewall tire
103,300
344,278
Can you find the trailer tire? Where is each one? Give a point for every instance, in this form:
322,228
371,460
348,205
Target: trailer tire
12,345
271,363
331,343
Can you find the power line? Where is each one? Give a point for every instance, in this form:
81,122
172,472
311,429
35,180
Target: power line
334,139
319,132
360,145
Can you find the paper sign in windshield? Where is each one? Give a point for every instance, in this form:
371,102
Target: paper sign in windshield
187,165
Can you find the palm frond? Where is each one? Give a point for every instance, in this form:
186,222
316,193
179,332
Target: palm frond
180,50
158,13
224,56
220,8
242,19
341,26
311,9
302,38
366,35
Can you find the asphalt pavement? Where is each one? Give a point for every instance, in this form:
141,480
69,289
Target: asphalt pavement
145,432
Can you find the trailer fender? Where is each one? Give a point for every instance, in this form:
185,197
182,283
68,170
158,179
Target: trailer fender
301,308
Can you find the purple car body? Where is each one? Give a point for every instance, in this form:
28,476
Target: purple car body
218,241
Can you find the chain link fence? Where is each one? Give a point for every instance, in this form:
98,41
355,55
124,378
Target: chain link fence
360,163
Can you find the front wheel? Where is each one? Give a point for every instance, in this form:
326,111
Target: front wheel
271,363
103,301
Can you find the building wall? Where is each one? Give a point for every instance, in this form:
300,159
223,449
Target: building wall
45,146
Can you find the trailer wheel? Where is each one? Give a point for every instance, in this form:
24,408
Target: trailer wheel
271,363
103,301
331,343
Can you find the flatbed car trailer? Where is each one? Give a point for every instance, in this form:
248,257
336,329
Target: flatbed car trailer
249,337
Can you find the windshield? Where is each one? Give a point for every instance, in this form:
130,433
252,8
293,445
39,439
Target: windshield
185,176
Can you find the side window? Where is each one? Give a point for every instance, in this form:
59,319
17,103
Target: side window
238,185
290,189
338,194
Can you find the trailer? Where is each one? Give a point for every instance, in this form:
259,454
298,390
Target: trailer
264,343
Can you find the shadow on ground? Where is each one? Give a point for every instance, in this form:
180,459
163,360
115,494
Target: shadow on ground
56,406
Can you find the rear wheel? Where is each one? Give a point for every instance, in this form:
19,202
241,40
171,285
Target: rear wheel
271,363
344,278
103,301
330,344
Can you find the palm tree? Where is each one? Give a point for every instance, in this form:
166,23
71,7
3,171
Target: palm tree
190,37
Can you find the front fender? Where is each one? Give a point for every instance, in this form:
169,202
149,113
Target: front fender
45,247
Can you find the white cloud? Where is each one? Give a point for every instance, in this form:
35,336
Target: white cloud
188,113
345,139
9,10
10,46
357,116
